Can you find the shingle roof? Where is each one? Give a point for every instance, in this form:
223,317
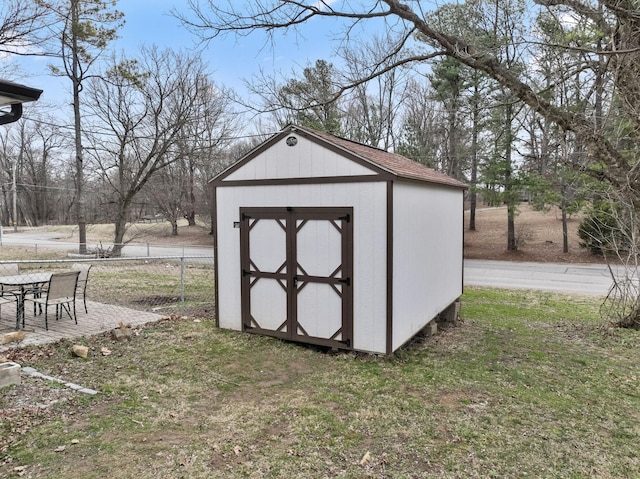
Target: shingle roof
396,164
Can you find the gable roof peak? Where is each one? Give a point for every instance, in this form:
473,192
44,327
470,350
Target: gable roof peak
399,165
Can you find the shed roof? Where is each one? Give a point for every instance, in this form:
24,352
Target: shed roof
396,164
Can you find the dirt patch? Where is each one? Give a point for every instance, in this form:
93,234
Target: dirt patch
538,233
160,234
154,233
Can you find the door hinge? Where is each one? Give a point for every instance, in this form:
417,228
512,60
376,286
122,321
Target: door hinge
245,272
346,281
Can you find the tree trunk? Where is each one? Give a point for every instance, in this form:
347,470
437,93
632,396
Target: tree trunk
452,167
512,245
80,216
120,223
563,209
118,239
174,227
473,196
509,193
191,212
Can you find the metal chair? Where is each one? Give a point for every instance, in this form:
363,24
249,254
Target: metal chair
61,292
83,278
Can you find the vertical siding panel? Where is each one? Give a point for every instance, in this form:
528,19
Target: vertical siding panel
427,260
305,160
369,222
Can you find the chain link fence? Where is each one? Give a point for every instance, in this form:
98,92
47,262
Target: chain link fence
54,248
166,285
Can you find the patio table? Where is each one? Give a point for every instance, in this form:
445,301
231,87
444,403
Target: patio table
22,281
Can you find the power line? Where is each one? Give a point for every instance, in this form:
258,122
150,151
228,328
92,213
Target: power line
106,133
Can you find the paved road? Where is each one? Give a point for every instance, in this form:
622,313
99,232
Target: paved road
570,278
54,241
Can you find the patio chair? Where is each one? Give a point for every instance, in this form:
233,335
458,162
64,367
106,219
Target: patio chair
83,278
59,292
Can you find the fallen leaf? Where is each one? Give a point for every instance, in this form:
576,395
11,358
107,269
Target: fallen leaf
189,462
105,351
237,450
365,459
20,470
75,441
15,336
60,449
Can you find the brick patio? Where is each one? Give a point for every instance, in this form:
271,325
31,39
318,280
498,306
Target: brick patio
101,318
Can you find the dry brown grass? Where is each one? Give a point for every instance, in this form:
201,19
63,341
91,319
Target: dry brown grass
152,233
539,234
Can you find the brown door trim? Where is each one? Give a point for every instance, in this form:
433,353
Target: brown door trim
342,220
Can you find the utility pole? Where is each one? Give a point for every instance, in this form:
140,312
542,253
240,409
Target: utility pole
15,198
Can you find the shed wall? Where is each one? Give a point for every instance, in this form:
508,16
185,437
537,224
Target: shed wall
427,255
370,249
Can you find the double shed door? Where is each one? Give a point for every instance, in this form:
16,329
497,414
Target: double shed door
297,266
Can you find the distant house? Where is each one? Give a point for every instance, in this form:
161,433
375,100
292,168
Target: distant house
14,95
322,240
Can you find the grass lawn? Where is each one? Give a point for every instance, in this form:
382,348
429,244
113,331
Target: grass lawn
530,384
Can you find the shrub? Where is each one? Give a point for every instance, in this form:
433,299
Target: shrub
602,230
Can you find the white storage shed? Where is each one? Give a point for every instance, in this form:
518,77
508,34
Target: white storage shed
322,240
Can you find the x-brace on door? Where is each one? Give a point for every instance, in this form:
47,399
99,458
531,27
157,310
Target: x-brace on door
297,266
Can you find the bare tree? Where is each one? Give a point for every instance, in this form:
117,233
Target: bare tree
422,138
28,155
23,26
180,190
141,111
372,109
214,18
41,146
86,28
9,147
